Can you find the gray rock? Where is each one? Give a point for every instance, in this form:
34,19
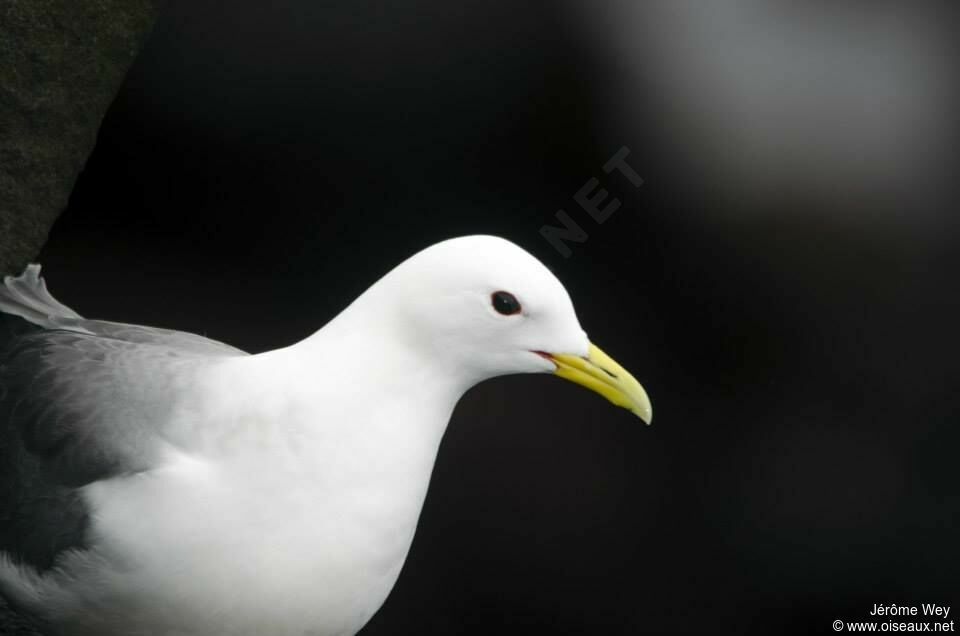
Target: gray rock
61,64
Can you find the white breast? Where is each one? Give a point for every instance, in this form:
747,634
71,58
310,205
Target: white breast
302,535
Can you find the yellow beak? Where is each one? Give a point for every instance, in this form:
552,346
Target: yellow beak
601,373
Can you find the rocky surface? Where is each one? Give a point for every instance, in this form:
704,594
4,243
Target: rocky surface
61,64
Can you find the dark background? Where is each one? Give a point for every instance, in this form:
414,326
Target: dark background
784,282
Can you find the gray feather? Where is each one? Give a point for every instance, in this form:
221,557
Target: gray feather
80,400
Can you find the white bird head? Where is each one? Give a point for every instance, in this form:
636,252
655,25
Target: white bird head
486,307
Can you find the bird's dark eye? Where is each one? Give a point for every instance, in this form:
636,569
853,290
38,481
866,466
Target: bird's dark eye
505,303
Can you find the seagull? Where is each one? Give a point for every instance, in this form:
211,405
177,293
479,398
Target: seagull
155,482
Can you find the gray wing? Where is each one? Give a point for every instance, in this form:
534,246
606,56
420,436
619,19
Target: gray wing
87,396
80,400
92,406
